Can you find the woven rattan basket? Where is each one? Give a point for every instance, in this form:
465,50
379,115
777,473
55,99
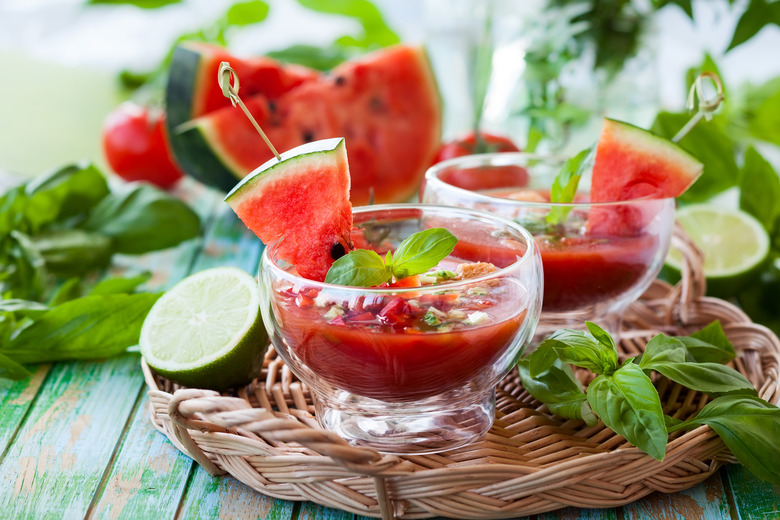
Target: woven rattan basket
530,462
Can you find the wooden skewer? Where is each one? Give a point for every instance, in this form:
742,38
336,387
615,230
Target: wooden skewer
228,81
706,107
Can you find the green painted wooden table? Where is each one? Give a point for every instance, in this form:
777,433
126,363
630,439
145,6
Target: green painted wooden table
76,440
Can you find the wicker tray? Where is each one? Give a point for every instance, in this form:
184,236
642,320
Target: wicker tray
530,462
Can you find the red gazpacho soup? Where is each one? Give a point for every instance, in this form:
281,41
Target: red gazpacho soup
409,344
584,265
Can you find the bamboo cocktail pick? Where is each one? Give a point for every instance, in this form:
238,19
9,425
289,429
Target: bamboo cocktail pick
706,107
228,81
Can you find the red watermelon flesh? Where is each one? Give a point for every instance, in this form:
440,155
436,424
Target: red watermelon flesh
302,200
632,164
259,75
386,106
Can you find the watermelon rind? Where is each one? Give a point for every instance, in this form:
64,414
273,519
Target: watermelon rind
272,167
180,94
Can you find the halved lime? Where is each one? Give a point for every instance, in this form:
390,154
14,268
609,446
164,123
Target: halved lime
734,243
206,331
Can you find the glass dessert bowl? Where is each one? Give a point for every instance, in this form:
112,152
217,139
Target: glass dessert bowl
410,368
598,258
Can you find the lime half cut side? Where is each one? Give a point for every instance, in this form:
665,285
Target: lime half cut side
734,243
206,331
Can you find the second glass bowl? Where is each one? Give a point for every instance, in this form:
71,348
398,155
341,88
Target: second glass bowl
598,258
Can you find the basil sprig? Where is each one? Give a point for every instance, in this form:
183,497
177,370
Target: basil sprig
57,232
564,187
624,398
417,254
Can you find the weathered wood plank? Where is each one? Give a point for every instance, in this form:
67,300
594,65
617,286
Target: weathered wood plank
707,501
57,460
146,460
16,398
226,497
148,476
754,499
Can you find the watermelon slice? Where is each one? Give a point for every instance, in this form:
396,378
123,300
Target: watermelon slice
386,105
193,91
304,200
630,164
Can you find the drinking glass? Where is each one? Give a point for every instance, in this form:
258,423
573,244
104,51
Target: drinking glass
598,258
409,369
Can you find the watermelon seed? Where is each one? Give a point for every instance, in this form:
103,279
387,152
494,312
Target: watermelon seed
337,251
376,104
340,80
308,136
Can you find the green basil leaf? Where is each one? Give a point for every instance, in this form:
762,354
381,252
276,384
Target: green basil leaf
120,285
359,268
710,378
749,426
565,185
710,344
603,337
70,289
671,422
422,251
543,357
758,14
13,210
662,349
376,33
140,218
72,252
320,58
759,190
629,405
685,5
709,144
11,369
578,348
247,13
558,389
761,110
64,193
24,274
671,357
86,328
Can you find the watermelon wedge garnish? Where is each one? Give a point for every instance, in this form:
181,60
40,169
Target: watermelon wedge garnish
302,200
631,164
385,104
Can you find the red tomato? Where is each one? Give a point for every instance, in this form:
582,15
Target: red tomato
499,177
135,142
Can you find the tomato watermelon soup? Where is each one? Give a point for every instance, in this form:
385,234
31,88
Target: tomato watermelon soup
405,340
598,257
